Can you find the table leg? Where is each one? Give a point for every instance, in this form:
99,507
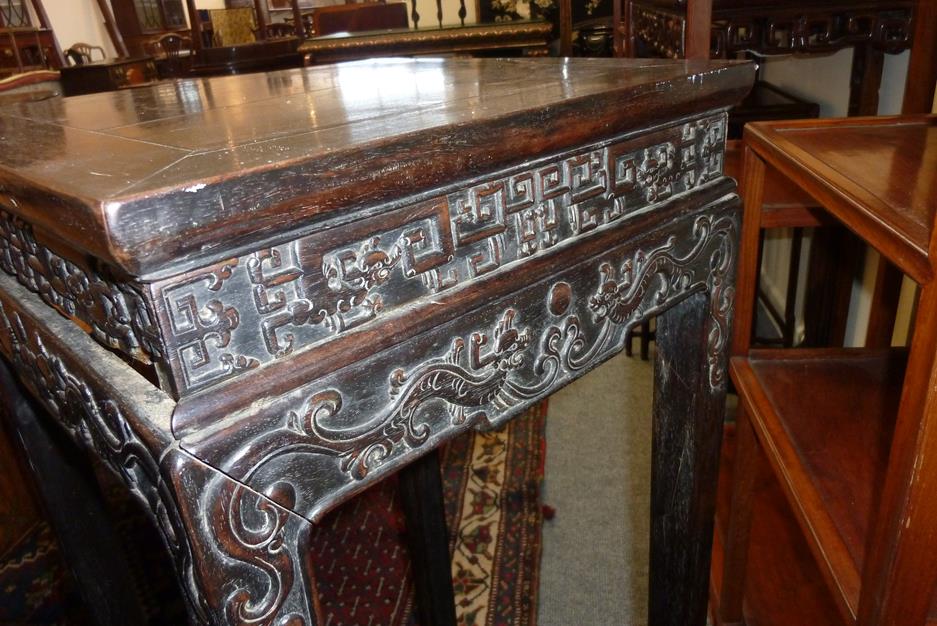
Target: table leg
687,431
75,509
428,540
241,558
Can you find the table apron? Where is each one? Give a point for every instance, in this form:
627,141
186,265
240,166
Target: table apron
313,446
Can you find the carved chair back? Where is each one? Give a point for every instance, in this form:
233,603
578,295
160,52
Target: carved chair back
280,30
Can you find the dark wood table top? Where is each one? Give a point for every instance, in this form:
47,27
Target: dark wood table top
156,179
877,175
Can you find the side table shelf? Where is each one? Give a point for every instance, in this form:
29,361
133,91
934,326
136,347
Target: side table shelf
825,422
784,585
848,434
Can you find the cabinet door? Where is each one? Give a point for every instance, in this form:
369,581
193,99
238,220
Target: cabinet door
173,14
149,15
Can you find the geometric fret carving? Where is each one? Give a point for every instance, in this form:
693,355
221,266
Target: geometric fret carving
307,291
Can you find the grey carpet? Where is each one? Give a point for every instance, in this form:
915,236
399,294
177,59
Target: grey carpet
597,477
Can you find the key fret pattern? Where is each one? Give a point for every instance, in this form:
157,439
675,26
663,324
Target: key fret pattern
307,291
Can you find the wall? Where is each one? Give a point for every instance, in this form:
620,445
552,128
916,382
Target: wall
81,20
76,21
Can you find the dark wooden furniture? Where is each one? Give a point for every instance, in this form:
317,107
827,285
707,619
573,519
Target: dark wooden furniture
252,298
355,18
81,53
141,21
501,39
726,28
172,53
108,75
24,47
847,432
259,56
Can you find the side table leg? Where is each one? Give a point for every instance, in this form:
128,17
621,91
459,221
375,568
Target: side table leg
687,431
749,473
428,540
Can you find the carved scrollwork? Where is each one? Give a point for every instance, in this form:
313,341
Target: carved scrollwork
780,30
116,313
261,537
488,373
99,424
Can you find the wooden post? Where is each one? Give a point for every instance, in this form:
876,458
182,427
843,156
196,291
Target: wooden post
699,17
865,80
421,497
922,66
45,23
261,19
116,38
566,28
298,20
195,23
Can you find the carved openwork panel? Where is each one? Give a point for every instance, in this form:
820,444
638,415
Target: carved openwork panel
265,305
329,438
115,313
887,26
661,32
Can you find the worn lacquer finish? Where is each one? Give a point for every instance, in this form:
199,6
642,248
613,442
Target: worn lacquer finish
317,288
334,271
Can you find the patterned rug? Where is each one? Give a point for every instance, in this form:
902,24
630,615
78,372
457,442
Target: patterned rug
492,495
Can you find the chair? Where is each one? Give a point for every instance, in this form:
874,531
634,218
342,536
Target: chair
278,30
81,53
169,50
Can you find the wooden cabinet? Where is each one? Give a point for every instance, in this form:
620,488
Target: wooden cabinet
847,433
23,47
143,20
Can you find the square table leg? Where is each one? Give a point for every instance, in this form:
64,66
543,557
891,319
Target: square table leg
687,433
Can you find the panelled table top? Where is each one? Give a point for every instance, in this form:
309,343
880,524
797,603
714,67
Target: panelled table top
878,174
161,178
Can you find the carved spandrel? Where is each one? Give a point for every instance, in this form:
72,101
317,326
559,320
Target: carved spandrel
99,423
310,290
333,435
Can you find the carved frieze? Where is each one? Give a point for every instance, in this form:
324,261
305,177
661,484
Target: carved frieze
778,30
344,430
279,299
116,313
